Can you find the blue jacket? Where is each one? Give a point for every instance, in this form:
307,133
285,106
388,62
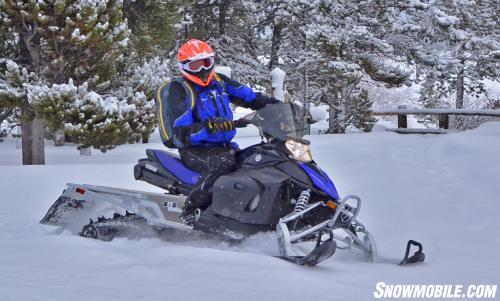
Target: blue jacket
181,116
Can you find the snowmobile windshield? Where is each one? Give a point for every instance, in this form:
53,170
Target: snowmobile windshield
280,121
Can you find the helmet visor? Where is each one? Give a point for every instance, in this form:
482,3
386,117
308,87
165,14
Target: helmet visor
198,65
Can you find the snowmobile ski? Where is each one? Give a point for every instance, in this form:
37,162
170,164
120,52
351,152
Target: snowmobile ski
317,255
419,256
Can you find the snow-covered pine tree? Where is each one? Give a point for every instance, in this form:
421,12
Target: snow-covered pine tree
64,67
296,51
455,42
139,86
350,37
238,45
20,39
430,96
152,25
6,122
271,20
230,29
281,32
359,102
151,56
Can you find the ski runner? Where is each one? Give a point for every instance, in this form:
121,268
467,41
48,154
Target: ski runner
195,117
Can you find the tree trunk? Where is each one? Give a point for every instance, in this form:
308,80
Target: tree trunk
186,28
305,78
333,114
332,118
134,11
222,17
306,105
32,127
343,110
145,138
459,102
276,42
32,139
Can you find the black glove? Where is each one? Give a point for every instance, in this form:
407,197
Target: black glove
273,100
219,124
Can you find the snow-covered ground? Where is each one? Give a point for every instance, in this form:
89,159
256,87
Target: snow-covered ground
442,190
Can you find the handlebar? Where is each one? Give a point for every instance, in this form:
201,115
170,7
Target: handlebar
241,123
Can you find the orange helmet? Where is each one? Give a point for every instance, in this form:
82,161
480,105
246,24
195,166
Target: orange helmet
196,61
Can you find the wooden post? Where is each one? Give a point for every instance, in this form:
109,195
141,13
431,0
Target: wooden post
402,119
444,119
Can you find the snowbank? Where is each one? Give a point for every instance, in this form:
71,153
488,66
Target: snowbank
488,128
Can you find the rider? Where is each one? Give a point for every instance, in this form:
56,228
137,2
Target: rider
195,117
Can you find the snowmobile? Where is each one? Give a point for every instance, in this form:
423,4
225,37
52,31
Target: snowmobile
276,187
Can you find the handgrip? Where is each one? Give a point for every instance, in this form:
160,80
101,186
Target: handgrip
241,123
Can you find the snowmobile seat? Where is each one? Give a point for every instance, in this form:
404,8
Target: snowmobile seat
175,166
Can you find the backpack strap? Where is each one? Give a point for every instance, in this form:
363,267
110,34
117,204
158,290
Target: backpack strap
188,89
220,82
159,103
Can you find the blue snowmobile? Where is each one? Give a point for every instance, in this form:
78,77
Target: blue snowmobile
276,186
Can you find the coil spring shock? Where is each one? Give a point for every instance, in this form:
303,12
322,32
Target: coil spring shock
302,202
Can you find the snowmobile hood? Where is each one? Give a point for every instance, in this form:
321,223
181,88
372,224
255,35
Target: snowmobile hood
321,180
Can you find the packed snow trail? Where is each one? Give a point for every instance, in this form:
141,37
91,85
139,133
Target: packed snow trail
440,190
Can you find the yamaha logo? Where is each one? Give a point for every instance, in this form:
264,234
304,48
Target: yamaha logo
151,167
258,158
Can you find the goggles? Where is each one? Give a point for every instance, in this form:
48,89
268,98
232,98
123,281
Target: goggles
198,65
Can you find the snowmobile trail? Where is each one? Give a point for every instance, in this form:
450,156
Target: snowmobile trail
402,199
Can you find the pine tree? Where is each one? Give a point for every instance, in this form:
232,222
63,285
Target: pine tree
152,25
229,28
359,106
430,96
64,68
139,87
455,42
351,40
6,115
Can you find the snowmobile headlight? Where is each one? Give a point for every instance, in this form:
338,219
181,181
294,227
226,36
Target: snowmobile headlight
300,151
